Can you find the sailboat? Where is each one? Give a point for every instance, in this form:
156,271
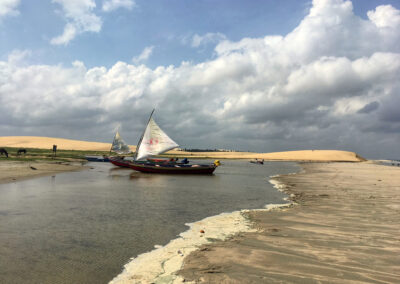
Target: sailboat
118,146
155,141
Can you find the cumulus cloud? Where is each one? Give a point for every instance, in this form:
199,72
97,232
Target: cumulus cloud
9,8
146,53
333,82
385,16
111,5
80,18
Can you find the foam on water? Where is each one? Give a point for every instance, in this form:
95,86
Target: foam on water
161,264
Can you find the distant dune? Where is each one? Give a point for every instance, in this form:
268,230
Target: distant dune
48,142
68,144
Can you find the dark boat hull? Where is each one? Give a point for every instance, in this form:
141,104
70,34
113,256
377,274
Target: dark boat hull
96,159
148,167
257,162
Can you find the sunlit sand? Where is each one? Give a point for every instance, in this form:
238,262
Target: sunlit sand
68,144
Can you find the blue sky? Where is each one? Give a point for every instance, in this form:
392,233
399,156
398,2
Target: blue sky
249,75
126,32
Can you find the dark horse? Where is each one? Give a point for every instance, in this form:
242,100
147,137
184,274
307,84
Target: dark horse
20,151
3,151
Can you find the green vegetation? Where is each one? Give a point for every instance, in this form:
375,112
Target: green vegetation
33,154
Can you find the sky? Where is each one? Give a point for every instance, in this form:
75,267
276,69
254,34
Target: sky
256,75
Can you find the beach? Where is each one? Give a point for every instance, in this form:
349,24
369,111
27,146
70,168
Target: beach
339,224
11,171
343,227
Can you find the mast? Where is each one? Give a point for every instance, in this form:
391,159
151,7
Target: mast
141,138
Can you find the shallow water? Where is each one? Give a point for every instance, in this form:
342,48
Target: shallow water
82,227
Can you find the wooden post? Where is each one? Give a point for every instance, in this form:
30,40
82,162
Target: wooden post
54,150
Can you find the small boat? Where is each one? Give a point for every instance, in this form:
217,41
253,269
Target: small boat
119,146
154,142
97,158
257,161
168,168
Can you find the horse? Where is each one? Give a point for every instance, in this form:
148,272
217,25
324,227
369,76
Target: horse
20,151
3,151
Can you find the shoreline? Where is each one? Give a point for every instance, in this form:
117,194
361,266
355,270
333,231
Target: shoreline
13,171
162,264
344,229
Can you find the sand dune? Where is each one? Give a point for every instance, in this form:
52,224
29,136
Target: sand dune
68,144
48,142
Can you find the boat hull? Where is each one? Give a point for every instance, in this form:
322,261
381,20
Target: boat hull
96,159
148,167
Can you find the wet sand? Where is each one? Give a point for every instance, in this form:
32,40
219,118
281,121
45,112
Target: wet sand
343,228
11,171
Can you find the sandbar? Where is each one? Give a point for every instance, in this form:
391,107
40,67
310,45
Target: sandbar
343,227
11,171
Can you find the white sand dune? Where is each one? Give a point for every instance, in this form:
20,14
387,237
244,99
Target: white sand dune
68,144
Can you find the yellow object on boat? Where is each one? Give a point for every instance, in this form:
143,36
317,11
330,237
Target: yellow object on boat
217,163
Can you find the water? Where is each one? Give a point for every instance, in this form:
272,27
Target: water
82,227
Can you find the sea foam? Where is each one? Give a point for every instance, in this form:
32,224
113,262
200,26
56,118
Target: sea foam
161,264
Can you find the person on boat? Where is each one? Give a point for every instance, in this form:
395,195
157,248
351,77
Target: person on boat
185,161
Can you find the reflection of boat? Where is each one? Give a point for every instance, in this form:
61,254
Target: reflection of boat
153,142
97,158
257,161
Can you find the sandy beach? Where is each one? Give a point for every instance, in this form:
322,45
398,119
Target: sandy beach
343,228
11,171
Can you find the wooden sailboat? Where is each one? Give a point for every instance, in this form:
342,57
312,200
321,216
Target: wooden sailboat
154,142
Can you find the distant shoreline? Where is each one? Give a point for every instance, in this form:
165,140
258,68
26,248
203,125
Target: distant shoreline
69,144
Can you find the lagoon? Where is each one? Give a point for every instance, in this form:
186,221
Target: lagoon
82,227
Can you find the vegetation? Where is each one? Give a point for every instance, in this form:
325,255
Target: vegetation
33,154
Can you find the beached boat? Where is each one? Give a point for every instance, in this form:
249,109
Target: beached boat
97,158
154,142
257,161
167,168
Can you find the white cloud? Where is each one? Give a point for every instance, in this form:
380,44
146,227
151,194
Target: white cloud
111,5
333,82
80,18
146,53
198,40
385,16
9,7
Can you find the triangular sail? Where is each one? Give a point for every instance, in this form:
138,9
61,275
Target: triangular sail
119,146
154,141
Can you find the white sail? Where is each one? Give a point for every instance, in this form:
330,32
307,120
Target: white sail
119,146
154,141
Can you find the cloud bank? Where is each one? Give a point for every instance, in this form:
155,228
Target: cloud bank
331,83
